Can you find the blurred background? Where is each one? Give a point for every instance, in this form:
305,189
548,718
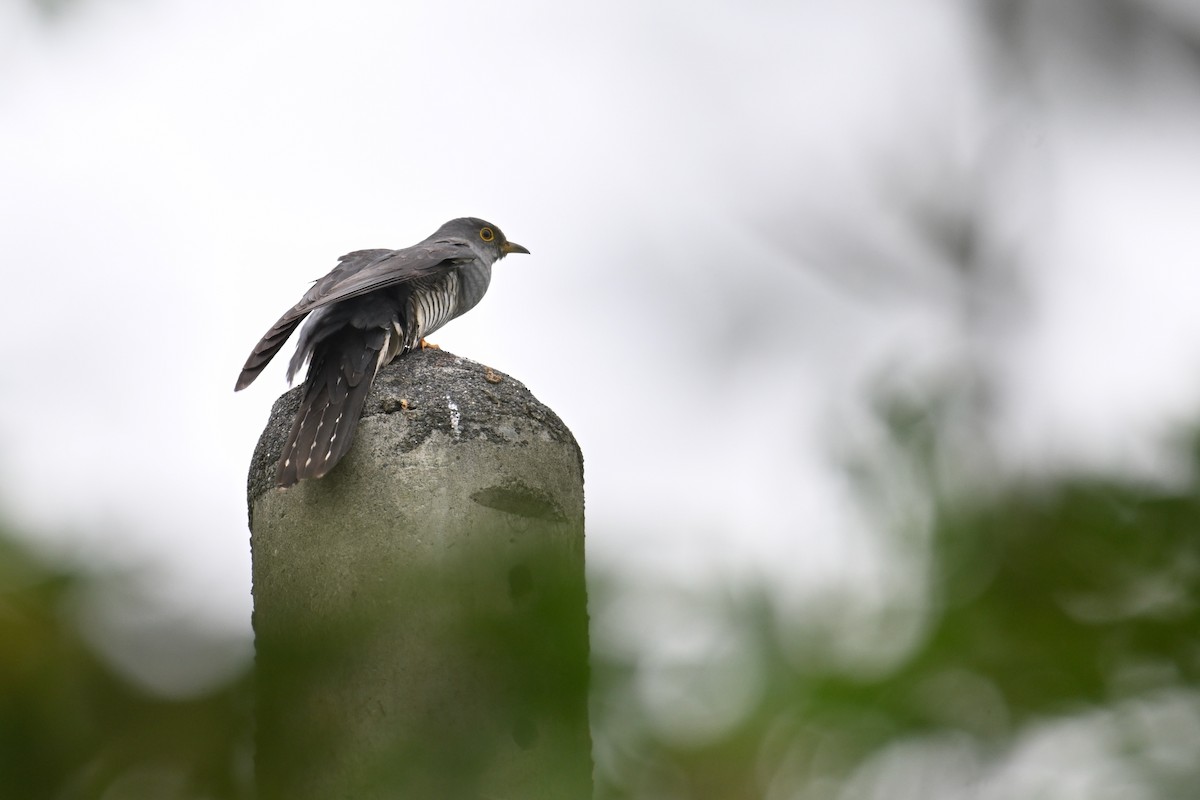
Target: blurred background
875,323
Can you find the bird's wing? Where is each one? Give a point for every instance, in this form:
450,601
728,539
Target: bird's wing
367,270
356,274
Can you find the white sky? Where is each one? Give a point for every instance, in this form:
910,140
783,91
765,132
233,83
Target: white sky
720,267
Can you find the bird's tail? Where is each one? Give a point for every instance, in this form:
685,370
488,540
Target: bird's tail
339,378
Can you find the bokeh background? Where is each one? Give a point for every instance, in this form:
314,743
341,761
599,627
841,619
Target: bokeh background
875,322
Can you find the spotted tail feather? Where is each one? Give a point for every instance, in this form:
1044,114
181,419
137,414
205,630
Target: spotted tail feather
339,379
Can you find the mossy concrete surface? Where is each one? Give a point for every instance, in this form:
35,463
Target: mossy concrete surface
420,612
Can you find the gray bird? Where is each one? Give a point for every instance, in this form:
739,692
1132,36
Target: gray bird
376,305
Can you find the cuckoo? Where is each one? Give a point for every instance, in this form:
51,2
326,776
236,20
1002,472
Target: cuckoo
376,305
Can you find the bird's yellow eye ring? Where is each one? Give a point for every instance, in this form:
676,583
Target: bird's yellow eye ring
487,234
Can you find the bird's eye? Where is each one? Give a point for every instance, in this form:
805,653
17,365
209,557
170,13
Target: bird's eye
487,234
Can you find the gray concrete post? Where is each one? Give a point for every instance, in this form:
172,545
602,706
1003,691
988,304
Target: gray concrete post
420,613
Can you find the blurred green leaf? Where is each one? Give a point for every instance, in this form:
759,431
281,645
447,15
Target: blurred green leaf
72,728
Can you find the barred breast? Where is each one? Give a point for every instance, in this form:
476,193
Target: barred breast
435,301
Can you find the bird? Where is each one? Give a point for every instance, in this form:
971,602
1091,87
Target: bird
373,307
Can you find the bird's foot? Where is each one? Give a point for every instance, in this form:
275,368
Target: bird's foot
426,345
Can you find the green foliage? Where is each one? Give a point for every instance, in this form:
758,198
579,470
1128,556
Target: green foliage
72,728
1061,602
1065,602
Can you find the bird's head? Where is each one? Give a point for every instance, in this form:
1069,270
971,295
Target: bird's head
481,234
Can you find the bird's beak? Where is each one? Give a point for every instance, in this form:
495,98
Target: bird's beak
512,247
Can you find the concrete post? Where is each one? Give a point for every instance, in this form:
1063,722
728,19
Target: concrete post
420,613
